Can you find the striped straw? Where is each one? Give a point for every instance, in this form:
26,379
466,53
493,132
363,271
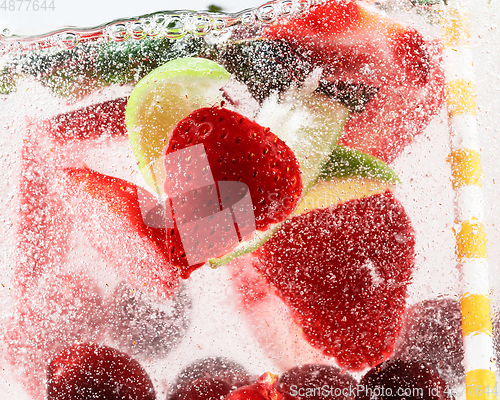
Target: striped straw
470,231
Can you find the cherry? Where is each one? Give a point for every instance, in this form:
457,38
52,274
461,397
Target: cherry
317,382
432,333
402,379
90,371
144,327
203,389
211,378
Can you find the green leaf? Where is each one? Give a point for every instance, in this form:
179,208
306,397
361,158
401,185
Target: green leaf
130,61
344,162
7,80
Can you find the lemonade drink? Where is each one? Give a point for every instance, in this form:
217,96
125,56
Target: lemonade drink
87,146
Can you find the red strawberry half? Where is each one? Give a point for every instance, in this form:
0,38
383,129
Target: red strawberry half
265,388
357,45
216,161
109,212
397,113
344,273
43,226
91,122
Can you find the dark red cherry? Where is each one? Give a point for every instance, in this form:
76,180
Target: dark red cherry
90,371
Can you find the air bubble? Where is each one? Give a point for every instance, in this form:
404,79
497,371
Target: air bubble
119,32
6,32
69,39
201,25
218,24
157,25
175,27
267,13
138,31
249,19
286,7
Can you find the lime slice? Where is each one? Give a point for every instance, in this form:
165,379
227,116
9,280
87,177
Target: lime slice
160,100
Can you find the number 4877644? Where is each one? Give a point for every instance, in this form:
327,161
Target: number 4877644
27,5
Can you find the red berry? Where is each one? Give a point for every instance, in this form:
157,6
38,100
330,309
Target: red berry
91,122
432,333
237,150
218,368
203,389
402,380
265,388
317,382
397,113
344,273
89,371
251,287
356,45
144,327
108,210
211,378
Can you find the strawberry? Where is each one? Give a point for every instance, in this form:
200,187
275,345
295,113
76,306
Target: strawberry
88,371
268,318
408,380
246,163
432,333
92,122
357,45
316,382
344,272
265,388
396,114
109,211
43,226
67,308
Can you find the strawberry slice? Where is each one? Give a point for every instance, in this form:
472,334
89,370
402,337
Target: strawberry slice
264,388
344,273
109,211
43,227
357,45
87,371
222,168
92,122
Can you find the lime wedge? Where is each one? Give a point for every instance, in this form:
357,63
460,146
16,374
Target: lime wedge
160,100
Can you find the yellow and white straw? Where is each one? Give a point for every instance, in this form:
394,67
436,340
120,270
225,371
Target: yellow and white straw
470,234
